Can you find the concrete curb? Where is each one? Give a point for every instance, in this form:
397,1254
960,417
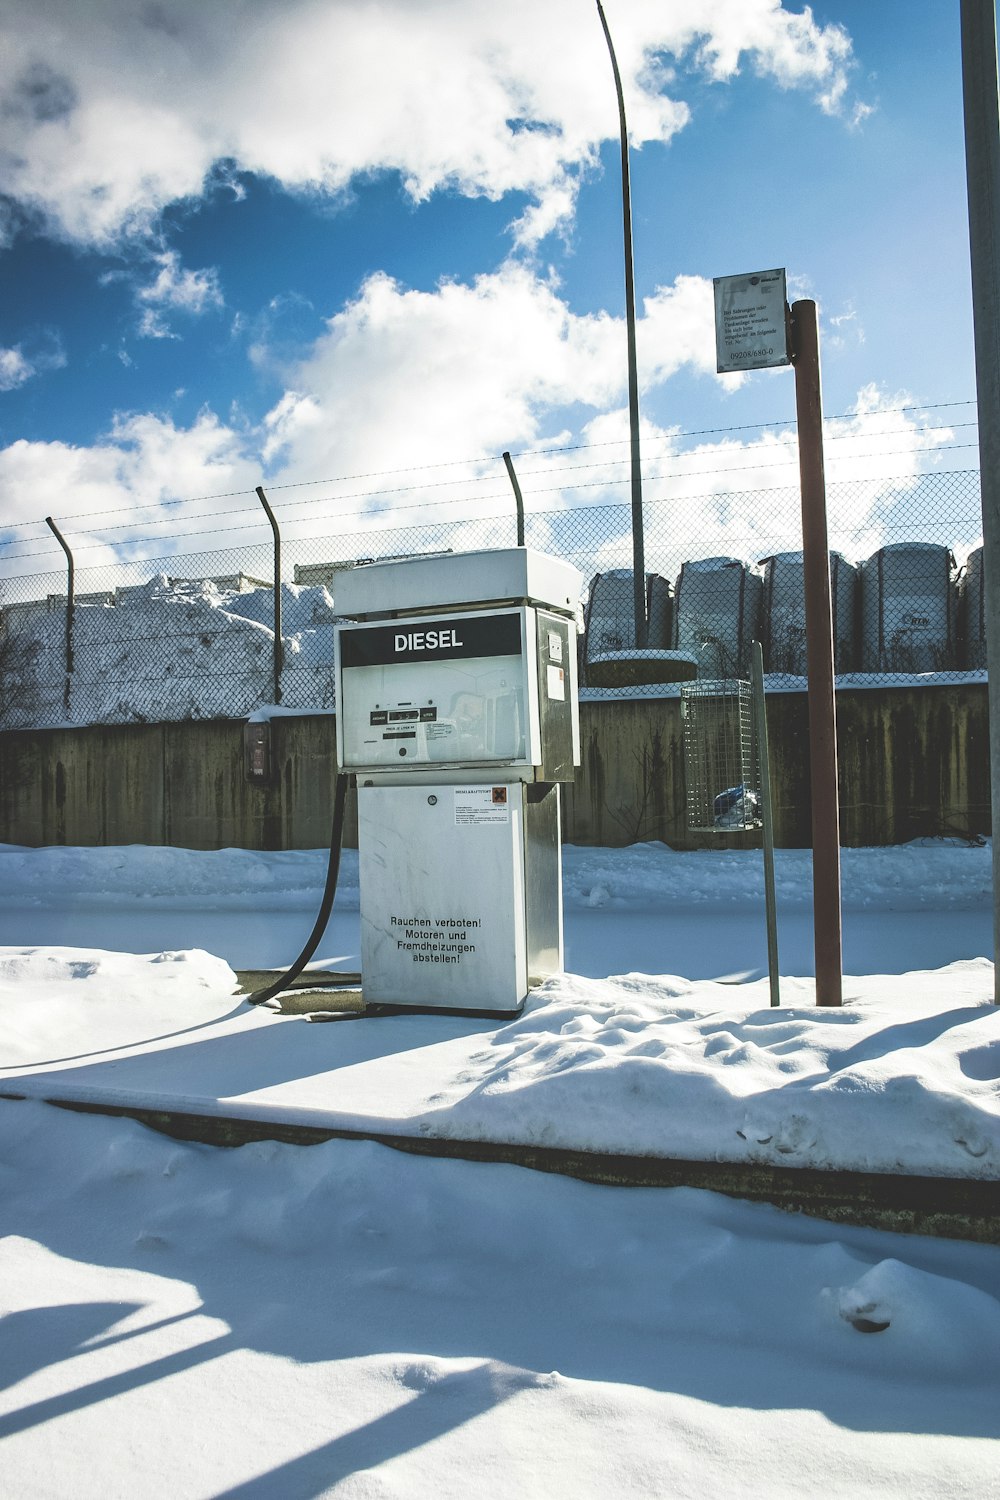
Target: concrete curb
947,1207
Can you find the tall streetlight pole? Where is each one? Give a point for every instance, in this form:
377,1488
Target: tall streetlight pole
638,546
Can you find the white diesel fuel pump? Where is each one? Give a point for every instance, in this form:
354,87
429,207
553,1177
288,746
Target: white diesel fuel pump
457,713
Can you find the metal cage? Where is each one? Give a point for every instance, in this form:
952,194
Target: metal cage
721,764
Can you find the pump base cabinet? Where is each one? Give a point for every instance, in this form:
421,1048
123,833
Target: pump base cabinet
461,900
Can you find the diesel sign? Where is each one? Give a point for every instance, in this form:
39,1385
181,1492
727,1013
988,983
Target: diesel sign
427,640
455,639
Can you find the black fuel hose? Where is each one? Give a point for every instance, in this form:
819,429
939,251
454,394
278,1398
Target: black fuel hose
326,905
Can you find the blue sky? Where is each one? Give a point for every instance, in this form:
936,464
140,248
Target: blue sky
284,242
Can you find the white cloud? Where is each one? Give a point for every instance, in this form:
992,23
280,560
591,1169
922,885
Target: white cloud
843,329
399,380
733,496
786,46
411,375
295,419
14,369
18,365
175,289
113,110
740,497
882,438
402,377
411,396
123,486
678,328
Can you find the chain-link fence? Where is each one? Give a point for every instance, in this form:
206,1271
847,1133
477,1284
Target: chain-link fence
192,635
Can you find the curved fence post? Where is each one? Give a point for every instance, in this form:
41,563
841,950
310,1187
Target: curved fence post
279,650
518,499
70,601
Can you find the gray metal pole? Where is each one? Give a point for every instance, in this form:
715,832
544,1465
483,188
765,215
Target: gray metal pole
767,817
819,657
70,608
982,164
279,647
638,541
518,499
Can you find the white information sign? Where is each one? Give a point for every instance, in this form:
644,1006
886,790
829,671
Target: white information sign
750,321
476,805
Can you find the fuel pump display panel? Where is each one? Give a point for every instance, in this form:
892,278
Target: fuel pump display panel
434,690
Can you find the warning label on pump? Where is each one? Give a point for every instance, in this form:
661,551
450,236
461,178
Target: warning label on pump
437,940
475,805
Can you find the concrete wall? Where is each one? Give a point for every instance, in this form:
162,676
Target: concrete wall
913,761
180,784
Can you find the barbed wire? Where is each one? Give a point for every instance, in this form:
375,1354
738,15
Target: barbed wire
885,490
159,638
530,453
97,538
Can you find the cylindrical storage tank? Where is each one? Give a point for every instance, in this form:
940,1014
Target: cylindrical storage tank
784,622
717,605
609,616
908,608
972,607
609,622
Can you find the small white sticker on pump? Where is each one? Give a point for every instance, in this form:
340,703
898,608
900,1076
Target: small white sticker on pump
555,682
476,805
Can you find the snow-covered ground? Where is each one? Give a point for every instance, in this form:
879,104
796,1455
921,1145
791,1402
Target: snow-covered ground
280,1321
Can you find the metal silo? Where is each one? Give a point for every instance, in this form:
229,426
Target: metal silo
908,608
717,605
784,623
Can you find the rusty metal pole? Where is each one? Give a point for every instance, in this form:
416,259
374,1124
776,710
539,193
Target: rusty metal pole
819,657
